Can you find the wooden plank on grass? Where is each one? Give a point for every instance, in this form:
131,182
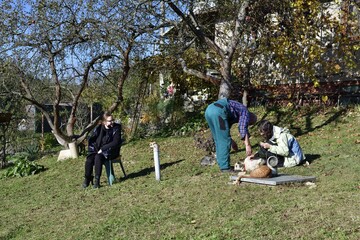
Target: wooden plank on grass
281,179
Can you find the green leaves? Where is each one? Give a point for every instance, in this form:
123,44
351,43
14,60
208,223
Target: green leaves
23,167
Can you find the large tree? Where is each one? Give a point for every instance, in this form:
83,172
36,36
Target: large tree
250,41
68,45
220,28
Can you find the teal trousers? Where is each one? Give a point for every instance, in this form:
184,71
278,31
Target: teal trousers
216,116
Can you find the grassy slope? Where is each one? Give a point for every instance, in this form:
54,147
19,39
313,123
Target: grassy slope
194,202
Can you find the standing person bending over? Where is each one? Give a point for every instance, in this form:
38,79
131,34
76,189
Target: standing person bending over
220,115
280,143
104,145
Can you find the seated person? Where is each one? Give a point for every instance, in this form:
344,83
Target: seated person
104,144
280,143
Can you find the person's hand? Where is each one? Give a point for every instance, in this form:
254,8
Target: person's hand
265,145
248,150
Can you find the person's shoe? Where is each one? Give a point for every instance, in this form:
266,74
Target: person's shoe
97,182
87,181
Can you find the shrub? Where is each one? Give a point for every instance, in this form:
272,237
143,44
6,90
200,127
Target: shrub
22,167
48,142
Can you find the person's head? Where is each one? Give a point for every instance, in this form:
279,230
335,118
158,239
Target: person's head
266,129
107,120
252,118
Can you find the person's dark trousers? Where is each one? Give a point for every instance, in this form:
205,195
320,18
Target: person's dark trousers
96,160
265,154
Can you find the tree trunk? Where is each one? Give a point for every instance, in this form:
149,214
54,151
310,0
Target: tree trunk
224,90
72,152
4,124
245,98
225,84
3,146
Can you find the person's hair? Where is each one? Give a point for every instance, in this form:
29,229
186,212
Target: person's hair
266,129
252,118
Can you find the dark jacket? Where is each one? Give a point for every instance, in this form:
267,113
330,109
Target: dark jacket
108,140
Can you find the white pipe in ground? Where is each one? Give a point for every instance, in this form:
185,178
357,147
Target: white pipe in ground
155,147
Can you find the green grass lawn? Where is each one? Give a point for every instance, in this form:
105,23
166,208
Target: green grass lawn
195,202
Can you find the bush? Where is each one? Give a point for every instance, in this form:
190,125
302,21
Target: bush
22,167
191,127
32,150
48,142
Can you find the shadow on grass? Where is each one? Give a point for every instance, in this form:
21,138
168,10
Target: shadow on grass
312,157
287,117
149,170
333,118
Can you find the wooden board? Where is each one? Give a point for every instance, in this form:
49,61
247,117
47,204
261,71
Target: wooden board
281,179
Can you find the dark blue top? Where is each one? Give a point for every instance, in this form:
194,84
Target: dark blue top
239,114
